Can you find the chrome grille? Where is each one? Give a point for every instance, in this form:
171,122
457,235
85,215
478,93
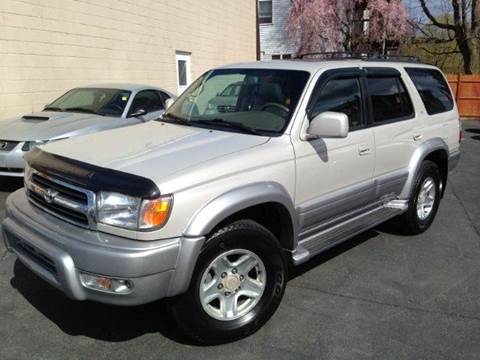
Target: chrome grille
61,199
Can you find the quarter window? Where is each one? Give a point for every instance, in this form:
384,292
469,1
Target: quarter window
433,89
390,99
341,95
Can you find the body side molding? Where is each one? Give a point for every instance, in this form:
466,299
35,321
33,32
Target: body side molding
239,199
419,155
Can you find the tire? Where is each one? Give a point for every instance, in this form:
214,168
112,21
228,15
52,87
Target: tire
412,222
205,322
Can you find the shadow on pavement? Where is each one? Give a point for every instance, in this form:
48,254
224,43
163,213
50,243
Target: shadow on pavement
116,323
10,184
95,320
331,253
476,137
473,130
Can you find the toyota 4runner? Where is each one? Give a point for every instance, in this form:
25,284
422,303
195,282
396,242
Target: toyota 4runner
213,202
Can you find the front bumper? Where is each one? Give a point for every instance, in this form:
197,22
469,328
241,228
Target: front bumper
12,162
57,251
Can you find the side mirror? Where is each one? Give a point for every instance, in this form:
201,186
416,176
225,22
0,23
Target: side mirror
138,113
168,103
328,125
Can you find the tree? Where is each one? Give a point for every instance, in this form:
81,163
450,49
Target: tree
462,28
349,25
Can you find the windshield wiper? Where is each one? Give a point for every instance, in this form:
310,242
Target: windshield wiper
229,124
52,108
84,110
174,119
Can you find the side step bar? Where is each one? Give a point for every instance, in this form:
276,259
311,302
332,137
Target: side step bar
328,238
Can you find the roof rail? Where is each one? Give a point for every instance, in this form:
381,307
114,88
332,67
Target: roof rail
366,56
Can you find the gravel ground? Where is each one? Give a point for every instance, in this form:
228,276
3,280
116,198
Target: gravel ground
379,295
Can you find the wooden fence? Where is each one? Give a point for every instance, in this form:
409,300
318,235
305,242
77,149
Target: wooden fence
466,89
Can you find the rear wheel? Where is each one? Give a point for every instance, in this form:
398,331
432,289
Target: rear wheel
237,285
424,202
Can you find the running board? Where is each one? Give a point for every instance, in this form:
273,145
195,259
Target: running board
324,240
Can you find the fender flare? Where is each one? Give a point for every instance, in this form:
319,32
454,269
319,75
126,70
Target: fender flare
233,201
418,156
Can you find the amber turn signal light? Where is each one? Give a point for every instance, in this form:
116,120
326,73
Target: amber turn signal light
154,213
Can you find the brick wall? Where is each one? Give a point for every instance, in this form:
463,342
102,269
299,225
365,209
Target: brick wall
50,46
274,39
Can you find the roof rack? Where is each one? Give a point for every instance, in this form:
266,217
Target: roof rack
366,56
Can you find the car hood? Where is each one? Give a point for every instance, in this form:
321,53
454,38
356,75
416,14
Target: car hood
153,150
46,125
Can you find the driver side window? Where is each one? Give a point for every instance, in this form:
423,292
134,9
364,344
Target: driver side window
148,100
341,95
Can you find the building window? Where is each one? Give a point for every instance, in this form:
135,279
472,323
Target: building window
287,56
265,11
276,57
183,71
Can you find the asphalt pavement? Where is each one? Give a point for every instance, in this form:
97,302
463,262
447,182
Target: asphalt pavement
378,296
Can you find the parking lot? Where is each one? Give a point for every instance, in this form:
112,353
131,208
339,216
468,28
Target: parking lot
379,295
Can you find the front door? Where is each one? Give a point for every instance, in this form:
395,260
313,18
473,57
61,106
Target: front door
334,176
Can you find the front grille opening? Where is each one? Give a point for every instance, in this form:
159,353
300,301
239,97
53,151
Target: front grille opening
11,170
36,255
65,213
68,193
7,145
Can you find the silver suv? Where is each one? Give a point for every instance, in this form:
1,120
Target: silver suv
211,204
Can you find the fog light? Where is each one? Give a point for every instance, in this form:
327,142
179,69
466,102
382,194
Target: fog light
106,284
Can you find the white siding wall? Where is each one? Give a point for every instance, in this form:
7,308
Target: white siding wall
274,39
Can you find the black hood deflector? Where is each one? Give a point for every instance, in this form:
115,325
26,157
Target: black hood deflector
91,177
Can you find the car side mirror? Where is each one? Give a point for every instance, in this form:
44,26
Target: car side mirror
328,125
138,113
168,103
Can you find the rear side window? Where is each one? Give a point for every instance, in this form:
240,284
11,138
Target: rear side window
433,89
390,99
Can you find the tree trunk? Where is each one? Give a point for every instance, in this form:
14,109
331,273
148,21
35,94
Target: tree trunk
474,46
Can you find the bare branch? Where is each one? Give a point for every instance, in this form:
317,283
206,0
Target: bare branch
432,18
439,53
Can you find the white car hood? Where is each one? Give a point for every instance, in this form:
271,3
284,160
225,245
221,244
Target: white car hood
46,125
153,150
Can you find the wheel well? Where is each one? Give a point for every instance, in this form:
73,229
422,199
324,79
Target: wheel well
440,157
273,216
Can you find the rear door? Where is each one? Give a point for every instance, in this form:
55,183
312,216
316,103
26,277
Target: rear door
395,127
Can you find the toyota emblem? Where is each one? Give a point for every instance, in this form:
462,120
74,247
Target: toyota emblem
49,195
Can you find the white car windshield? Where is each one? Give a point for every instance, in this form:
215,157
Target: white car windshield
108,102
259,101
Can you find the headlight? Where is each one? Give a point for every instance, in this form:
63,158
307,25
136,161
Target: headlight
29,145
131,212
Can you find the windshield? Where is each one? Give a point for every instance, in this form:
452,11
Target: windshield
256,101
109,102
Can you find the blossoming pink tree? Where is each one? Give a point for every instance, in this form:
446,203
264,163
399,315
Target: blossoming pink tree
349,25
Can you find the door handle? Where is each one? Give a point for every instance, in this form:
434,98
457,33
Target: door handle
364,151
417,137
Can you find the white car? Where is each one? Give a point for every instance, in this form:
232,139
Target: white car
79,111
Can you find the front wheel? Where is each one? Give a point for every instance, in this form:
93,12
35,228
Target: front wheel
237,285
